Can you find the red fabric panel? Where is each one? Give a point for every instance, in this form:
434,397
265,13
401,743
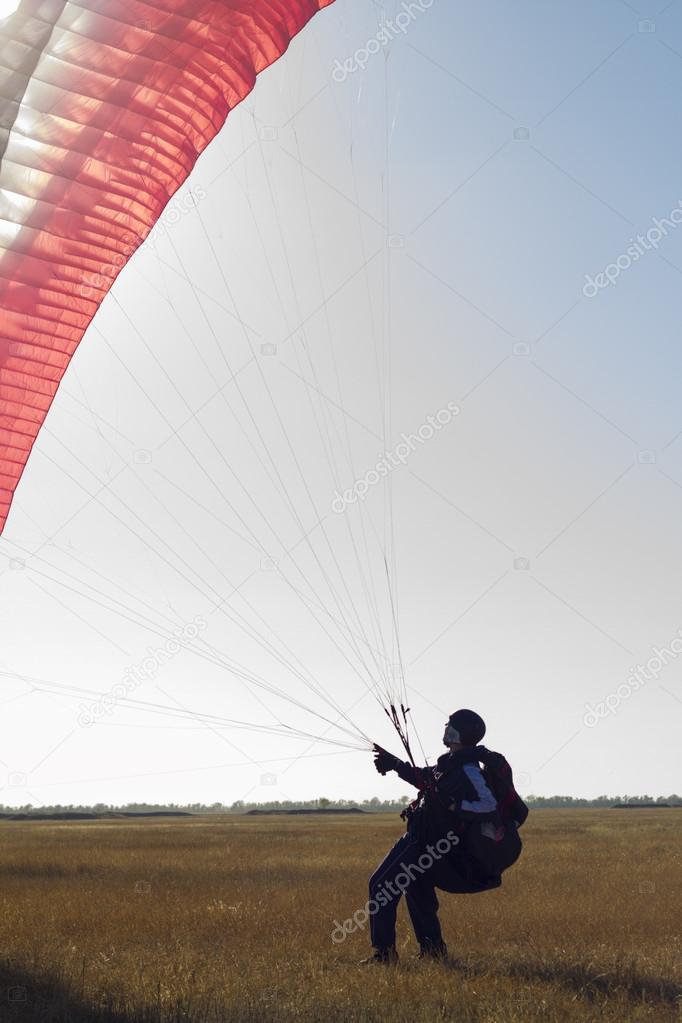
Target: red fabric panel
123,99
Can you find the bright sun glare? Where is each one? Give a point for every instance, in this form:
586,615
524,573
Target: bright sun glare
8,7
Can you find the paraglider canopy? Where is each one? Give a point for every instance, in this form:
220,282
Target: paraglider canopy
104,117
104,109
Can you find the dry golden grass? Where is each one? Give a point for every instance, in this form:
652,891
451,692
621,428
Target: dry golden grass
230,919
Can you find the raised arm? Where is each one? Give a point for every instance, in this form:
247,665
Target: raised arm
385,762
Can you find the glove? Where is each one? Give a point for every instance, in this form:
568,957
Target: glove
384,761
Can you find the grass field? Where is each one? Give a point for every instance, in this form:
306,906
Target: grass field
230,919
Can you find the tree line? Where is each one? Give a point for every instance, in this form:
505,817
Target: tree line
374,805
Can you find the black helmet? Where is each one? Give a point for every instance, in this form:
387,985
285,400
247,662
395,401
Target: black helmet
470,725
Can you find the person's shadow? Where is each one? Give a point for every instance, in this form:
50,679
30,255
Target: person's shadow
27,998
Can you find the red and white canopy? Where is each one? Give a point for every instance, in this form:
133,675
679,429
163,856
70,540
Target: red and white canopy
105,106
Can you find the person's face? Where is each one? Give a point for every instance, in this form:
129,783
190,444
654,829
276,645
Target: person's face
450,735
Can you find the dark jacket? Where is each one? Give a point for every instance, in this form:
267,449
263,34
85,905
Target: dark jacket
452,795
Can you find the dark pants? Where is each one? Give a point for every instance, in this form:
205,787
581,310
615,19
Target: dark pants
419,889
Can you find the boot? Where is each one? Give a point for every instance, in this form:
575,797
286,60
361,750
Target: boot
381,957
432,951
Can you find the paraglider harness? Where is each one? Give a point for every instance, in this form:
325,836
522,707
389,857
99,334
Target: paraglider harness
490,842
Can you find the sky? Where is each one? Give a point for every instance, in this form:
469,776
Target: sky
389,397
